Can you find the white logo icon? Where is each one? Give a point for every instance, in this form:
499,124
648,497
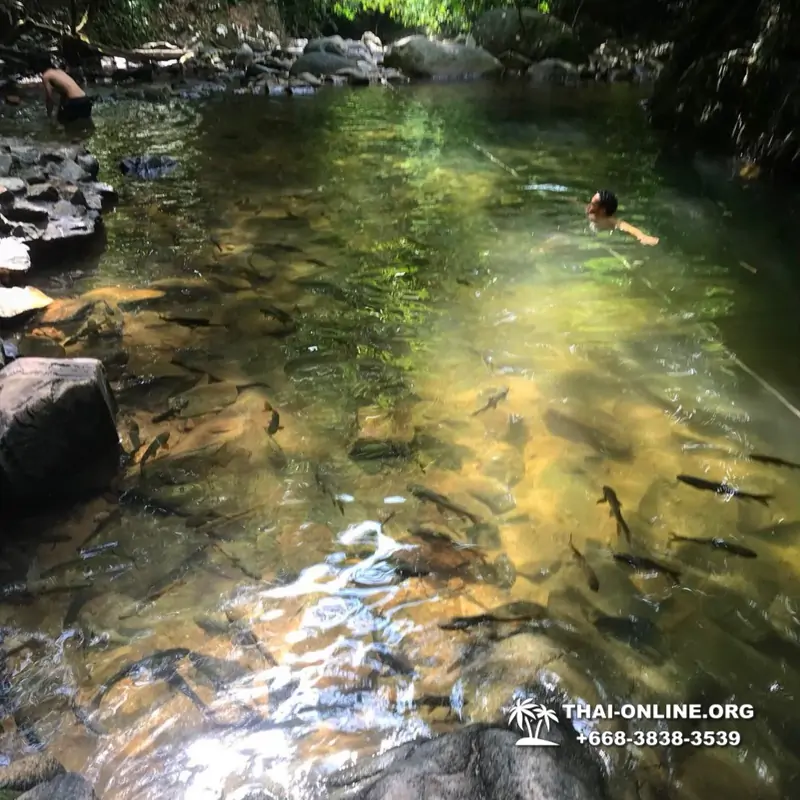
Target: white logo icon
522,712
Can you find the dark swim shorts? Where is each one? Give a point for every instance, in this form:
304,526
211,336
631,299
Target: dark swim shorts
75,108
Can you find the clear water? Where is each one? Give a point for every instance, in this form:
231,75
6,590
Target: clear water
431,248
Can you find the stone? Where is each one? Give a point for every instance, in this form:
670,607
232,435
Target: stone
536,36
355,77
23,211
43,193
553,70
18,300
5,164
311,80
377,426
148,167
244,56
89,164
421,57
68,171
15,185
15,256
27,772
327,44
69,786
321,63
58,434
478,761
41,347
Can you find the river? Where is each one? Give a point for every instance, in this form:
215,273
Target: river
376,266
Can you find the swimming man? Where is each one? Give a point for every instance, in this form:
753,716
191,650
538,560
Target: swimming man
601,210
74,105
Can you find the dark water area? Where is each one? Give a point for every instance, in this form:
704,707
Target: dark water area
376,266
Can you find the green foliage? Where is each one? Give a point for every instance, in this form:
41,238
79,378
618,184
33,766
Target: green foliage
431,14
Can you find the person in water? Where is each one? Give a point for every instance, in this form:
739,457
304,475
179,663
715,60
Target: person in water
73,105
601,210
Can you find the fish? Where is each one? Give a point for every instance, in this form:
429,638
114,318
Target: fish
274,423
133,433
589,573
398,663
516,611
324,484
154,446
161,665
610,497
724,489
644,564
773,461
216,242
492,401
428,495
278,313
717,544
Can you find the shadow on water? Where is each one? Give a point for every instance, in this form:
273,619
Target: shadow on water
318,314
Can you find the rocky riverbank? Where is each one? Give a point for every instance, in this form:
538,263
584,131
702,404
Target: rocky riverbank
51,207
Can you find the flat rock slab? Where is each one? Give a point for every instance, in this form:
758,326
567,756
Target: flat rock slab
475,762
18,300
58,434
15,256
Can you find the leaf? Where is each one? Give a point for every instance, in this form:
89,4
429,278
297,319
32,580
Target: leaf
82,24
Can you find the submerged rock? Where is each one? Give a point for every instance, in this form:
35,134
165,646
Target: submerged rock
148,167
30,771
58,435
477,761
421,57
69,786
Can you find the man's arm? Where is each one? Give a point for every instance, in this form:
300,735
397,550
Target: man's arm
640,235
48,94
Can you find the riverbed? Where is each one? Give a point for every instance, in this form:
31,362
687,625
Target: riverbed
366,291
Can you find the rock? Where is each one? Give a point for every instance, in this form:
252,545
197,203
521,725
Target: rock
327,44
553,70
321,63
67,171
41,347
311,80
355,77
8,352
15,256
58,435
421,57
69,786
378,427
476,761
5,164
148,167
20,300
43,193
15,185
244,56
539,36
89,164
27,772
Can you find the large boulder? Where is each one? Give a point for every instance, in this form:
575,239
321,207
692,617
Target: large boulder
58,434
527,32
422,57
476,762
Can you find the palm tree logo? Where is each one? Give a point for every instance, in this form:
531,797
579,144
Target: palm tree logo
522,712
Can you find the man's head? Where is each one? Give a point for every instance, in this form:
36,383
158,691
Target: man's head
44,63
603,204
